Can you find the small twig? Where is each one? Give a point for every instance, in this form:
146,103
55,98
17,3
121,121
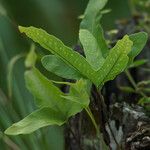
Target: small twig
93,120
103,145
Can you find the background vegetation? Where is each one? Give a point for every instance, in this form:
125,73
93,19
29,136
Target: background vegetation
58,17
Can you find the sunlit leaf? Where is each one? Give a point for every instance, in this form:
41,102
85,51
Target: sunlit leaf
91,49
46,94
54,106
115,62
55,46
78,93
91,22
37,119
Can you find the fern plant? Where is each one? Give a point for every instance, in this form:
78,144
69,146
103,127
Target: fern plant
99,65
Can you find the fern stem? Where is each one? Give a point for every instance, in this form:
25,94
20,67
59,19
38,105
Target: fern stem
99,135
93,120
134,83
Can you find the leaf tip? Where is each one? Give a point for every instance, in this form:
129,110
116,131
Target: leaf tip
15,129
145,36
21,29
9,131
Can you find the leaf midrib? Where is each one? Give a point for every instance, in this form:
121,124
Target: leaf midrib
110,69
63,58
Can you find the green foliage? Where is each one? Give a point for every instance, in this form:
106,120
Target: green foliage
91,22
56,47
99,66
143,83
139,40
11,65
55,107
18,102
127,89
31,57
79,93
45,93
59,67
91,47
138,63
42,117
115,62
145,102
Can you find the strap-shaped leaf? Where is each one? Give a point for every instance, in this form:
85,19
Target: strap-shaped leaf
59,67
55,108
47,95
139,40
39,118
115,62
91,22
113,65
79,93
56,47
91,49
